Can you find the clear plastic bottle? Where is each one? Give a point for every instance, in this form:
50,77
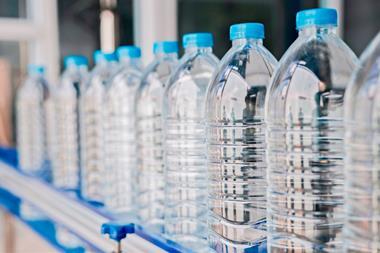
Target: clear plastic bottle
236,142
66,168
120,144
305,130
66,162
92,129
185,143
31,105
362,184
150,136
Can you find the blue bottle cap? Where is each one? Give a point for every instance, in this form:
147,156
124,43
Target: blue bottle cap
36,69
76,60
197,40
166,47
318,16
128,52
247,31
101,56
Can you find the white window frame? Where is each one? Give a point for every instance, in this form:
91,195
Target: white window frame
40,31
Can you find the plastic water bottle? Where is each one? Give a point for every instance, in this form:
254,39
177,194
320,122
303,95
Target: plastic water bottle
66,164
66,172
92,132
305,131
120,144
362,183
31,107
150,136
32,104
236,142
185,143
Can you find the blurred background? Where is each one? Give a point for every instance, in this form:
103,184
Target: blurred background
45,31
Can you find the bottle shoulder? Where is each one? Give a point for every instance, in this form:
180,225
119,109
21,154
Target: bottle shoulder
194,68
326,57
127,78
35,85
98,78
309,84
369,65
364,88
248,60
155,77
160,68
243,69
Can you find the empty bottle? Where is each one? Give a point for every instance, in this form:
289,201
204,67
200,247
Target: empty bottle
66,172
362,181
185,143
150,136
236,142
66,161
31,105
305,131
92,129
120,144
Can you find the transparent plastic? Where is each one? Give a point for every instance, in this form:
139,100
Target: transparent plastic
305,131
185,148
51,138
92,132
66,158
236,147
66,162
32,105
150,141
362,166
120,140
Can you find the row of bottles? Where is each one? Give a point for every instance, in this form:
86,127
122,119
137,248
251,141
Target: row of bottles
220,156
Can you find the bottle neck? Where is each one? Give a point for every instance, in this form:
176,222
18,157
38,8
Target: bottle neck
35,75
83,68
128,61
102,63
192,49
170,56
317,30
244,41
73,68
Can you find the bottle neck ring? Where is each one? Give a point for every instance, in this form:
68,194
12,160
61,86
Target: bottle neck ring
192,49
317,30
244,41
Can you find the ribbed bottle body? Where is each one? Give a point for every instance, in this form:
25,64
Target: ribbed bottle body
120,140
362,185
236,147
305,131
92,139
149,134
66,172
32,106
185,149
